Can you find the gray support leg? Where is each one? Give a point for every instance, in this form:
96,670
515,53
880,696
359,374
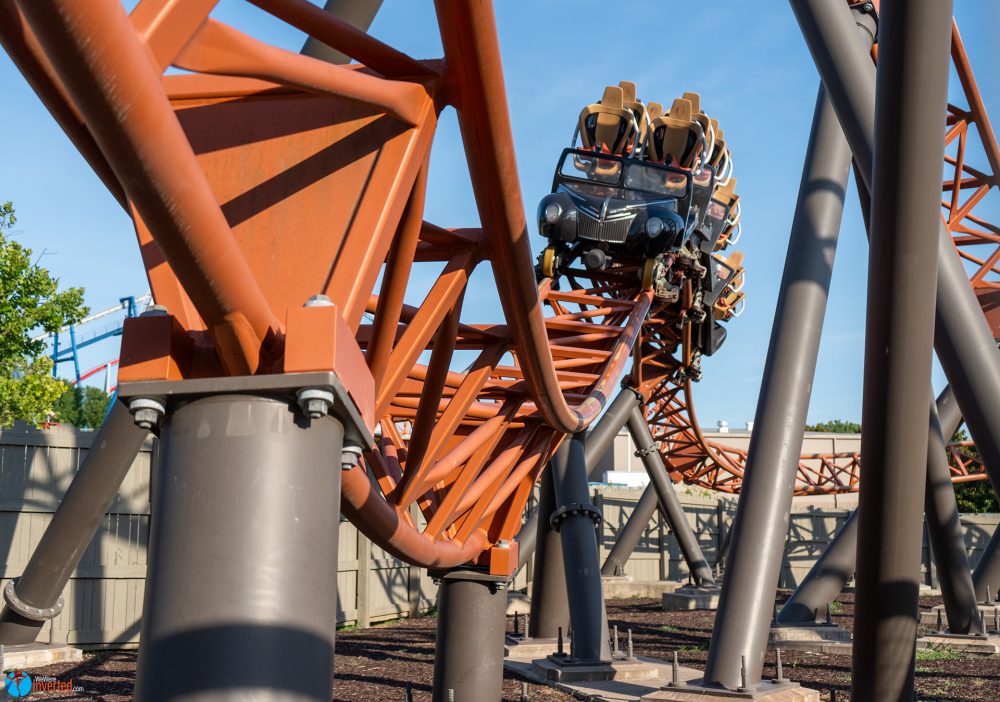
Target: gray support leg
242,586
826,579
987,572
468,657
962,338
72,527
526,539
761,523
602,435
574,518
944,525
669,504
357,13
631,533
912,90
549,606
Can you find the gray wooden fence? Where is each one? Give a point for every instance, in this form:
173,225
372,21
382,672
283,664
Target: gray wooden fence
104,596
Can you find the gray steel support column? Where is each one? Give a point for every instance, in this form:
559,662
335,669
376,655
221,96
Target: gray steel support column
549,605
962,338
73,525
987,572
826,579
944,525
574,519
670,505
601,436
836,566
912,94
631,533
357,13
468,655
526,539
241,589
761,523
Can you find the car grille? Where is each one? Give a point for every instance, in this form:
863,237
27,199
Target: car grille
611,230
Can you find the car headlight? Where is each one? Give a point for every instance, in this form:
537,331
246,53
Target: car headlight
552,212
654,227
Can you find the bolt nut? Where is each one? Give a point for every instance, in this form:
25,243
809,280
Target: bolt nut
147,412
350,456
315,403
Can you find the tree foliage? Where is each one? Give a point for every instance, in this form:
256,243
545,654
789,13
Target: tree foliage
976,497
836,426
82,407
30,302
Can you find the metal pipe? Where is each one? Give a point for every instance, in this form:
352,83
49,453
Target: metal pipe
357,13
670,505
574,519
912,95
74,523
827,578
631,533
468,657
602,434
835,567
962,338
944,526
241,593
761,522
527,538
986,576
549,605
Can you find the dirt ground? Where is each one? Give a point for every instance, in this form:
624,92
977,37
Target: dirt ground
378,664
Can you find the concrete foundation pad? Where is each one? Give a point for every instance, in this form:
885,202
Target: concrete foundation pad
987,645
817,638
565,670
930,617
36,655
691,597
604,690
619,587
765,692
529,649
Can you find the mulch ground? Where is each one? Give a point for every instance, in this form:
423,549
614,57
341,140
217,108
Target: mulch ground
378,664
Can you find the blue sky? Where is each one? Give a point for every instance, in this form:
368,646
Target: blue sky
747,60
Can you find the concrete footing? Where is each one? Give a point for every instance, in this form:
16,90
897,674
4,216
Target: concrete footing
988,644
765,692
528,649
518,602
565,669
620,587
36,655
937,613
814,637
691,597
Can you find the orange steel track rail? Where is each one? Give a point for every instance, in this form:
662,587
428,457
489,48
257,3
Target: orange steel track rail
261,177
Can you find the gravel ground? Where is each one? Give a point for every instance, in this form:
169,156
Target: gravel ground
378,664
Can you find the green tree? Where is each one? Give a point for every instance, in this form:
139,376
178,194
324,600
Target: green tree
82,407
975,497
836,426
30,302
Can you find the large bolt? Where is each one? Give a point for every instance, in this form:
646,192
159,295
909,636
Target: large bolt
350,455
318,301
146,412
315,403
780,678
155,311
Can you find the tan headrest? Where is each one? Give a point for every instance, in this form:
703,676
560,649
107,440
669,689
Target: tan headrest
608,122
675,135
654,110
695,100
628,90
726,194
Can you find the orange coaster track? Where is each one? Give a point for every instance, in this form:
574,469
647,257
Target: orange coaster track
261,177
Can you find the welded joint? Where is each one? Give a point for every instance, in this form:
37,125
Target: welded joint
575,510
38,614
